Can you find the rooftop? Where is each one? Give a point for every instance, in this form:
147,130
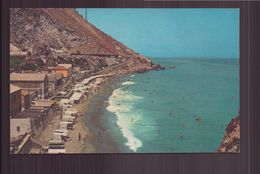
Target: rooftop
76,96
24,123
54,77
43,103
58,68
66,65
29,114
14,88
64,101
24,93
27,77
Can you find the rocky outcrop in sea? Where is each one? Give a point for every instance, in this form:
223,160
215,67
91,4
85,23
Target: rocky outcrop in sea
231,139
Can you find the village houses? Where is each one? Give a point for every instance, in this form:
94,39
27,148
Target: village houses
15,100
32,82
54,82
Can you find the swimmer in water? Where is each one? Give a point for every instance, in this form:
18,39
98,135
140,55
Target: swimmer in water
181,137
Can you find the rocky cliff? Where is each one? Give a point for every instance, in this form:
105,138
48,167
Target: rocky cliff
231,139
62,35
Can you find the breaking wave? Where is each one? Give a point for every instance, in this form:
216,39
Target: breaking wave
121,103
128,83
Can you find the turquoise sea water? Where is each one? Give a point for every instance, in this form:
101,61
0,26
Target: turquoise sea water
184,109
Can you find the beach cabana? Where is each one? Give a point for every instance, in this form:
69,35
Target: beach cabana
64,101
71,112
76,97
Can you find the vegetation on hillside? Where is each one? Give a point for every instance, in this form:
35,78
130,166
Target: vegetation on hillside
16,62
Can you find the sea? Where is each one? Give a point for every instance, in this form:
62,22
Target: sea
182,109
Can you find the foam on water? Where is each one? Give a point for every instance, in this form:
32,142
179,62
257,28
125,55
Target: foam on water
163,120
121,103
128,83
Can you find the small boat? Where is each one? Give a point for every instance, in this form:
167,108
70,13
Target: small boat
198,119
171,66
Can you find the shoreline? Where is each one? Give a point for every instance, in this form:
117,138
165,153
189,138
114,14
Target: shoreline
96,128
94,138
90,134
100,120
101,139
76,146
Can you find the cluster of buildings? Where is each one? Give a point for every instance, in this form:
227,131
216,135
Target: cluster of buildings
31,104
37,97
70,98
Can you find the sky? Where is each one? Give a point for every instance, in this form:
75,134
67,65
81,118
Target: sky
192,33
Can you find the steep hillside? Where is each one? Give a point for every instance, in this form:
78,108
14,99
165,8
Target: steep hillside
231,139
62,35
60,29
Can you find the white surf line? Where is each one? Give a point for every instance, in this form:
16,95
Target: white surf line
128,83
122,112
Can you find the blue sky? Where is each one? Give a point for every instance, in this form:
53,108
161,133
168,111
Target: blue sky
198,33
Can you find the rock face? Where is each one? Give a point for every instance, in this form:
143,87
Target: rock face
157,67
231,139
62,35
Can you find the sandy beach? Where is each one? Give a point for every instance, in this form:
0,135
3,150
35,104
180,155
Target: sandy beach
101,139
76,145
93,138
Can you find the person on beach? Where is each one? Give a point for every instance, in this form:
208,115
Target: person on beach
79,136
